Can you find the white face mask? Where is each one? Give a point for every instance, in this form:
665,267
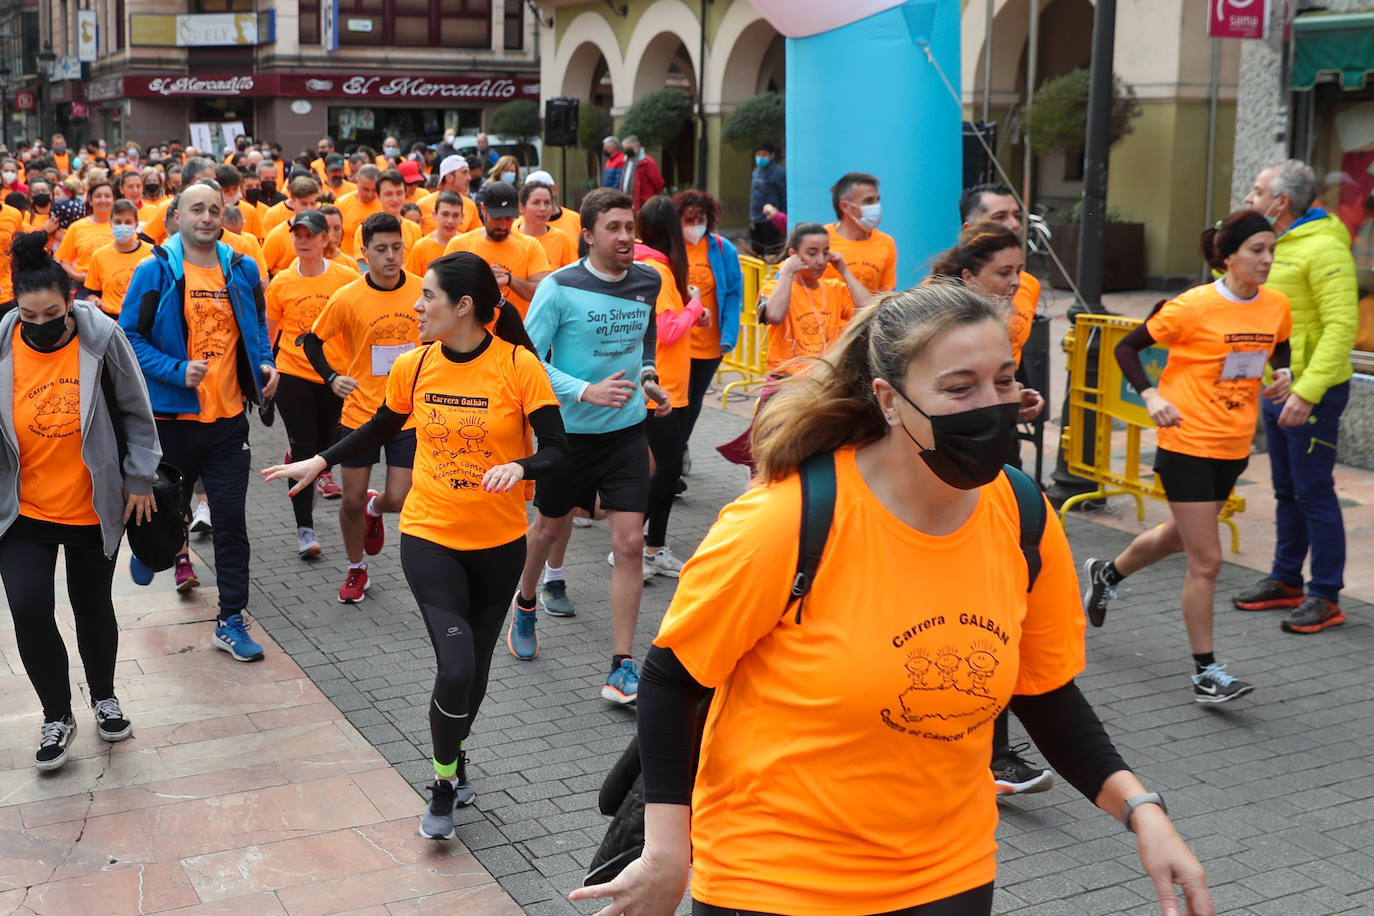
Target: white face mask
120,160
392,151
694,233
870,216
508,177
10,177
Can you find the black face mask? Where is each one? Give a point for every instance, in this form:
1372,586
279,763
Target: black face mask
152,191
970,446
44,335
269,188
253,195
42,200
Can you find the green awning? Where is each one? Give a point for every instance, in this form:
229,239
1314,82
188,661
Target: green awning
1333,43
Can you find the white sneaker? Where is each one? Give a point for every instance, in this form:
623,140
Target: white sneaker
580,522
200,519
649,569
307,545
664,563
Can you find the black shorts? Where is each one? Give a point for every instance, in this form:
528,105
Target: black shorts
1190,479
400,452
614,466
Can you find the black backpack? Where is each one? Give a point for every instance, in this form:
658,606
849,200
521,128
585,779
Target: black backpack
622,792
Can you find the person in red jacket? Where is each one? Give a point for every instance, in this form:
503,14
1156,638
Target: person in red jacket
641,178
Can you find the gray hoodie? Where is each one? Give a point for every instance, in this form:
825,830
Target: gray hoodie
102,344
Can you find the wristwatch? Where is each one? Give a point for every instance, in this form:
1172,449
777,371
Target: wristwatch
1135,801
648,377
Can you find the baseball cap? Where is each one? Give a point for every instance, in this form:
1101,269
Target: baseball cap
333,161
451,164
311,219
500,199
410,171
541,176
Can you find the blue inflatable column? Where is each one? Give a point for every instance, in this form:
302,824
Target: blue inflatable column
864,98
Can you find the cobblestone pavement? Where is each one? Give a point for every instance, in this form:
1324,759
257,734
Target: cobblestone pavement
1274,795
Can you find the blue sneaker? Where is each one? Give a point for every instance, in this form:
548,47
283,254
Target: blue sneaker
138,571
622,685
521,638
232,636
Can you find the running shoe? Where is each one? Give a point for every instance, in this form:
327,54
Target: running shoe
648,567
232,636
521,638
139,571
1313,615
200,518
464,794
1267,594
664,563
622,684
354,585
326,487
1213,685
1099,591
553,596
307,545
437,824
374,535
679,488
580,521
1012,774
186,574
53,741
110,721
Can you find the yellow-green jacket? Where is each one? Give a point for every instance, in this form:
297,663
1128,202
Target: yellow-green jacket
1313,267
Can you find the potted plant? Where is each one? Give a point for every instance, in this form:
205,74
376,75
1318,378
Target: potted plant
1123,250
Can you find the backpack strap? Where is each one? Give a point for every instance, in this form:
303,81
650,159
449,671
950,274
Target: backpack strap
818,511
1030,502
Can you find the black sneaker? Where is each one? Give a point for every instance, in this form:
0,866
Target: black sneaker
1213,685
1313,615
1266,595
1013,775
52,745
1098,592
437,824
110,721
463,793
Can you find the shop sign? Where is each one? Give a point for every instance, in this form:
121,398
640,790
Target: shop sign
64,68
168,30
386,86
25,100
181,86
329,20
79,110
101,90
1236,18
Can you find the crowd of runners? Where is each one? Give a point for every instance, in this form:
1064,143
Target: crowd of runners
451,316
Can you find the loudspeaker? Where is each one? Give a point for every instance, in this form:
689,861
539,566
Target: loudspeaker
977,166
560,122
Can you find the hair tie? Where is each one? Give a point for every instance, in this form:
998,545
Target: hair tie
1247,227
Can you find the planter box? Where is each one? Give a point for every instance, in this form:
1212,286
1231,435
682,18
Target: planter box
1123,255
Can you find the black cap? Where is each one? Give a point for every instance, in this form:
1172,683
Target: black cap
500,199
311,219
333,161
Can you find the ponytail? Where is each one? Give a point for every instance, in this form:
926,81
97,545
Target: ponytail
510,327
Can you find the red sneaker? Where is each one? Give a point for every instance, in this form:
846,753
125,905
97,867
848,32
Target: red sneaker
326,487
186,575
374,535
354,586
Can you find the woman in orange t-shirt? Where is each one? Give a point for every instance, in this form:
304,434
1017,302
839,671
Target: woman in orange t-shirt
895,699
475,399
805,309
1220,336
678,310
68,483
84,236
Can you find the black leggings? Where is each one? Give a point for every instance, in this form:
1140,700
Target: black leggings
28,562
463,596
311,414
703,371
666,439
977,902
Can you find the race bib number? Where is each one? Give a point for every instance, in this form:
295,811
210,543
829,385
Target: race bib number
384,356
1242,364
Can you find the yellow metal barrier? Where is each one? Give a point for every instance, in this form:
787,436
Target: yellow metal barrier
749,358
1113,398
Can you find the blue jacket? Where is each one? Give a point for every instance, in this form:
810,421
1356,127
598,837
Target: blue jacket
724,260
767,185
154,320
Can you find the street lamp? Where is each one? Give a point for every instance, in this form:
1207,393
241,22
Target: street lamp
45,57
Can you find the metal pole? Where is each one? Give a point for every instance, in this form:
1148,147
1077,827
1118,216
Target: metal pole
987,62
703,142
1212,132
1032,49
1090,241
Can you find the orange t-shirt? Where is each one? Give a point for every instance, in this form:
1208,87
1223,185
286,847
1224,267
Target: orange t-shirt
294,302
469,418
252,220
377,326
344,260
54,482
277,250
410,234
907,731
558,248
1217,351
354,212
276,214
873,261
155,221
815,319
705,341
11,221
570,221
430,201
248,246
110,273
82,239
422,253
1022,314
519,254
214,337
673,360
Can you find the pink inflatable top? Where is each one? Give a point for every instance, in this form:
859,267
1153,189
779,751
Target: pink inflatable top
800,18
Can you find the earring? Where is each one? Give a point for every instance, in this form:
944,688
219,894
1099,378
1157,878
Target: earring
889,418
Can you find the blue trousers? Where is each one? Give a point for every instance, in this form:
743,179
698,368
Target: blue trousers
1307,515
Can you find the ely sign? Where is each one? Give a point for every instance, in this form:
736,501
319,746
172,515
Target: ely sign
1236,18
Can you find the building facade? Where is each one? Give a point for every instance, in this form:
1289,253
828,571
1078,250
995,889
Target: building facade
286,70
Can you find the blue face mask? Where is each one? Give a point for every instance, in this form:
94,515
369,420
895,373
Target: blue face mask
123,234
762,161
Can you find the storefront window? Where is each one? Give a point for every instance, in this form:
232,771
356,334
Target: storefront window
310,22
412,23
515,25
356,126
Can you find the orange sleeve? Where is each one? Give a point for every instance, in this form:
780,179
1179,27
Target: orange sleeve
889,280
333,316
470,218
273,300
67,250
1174,321
536,390
1052,646
94,280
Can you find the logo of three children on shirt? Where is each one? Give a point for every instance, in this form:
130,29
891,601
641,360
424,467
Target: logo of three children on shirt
949,691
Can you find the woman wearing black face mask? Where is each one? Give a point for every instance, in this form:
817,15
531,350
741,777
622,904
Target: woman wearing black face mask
917,630
65,484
